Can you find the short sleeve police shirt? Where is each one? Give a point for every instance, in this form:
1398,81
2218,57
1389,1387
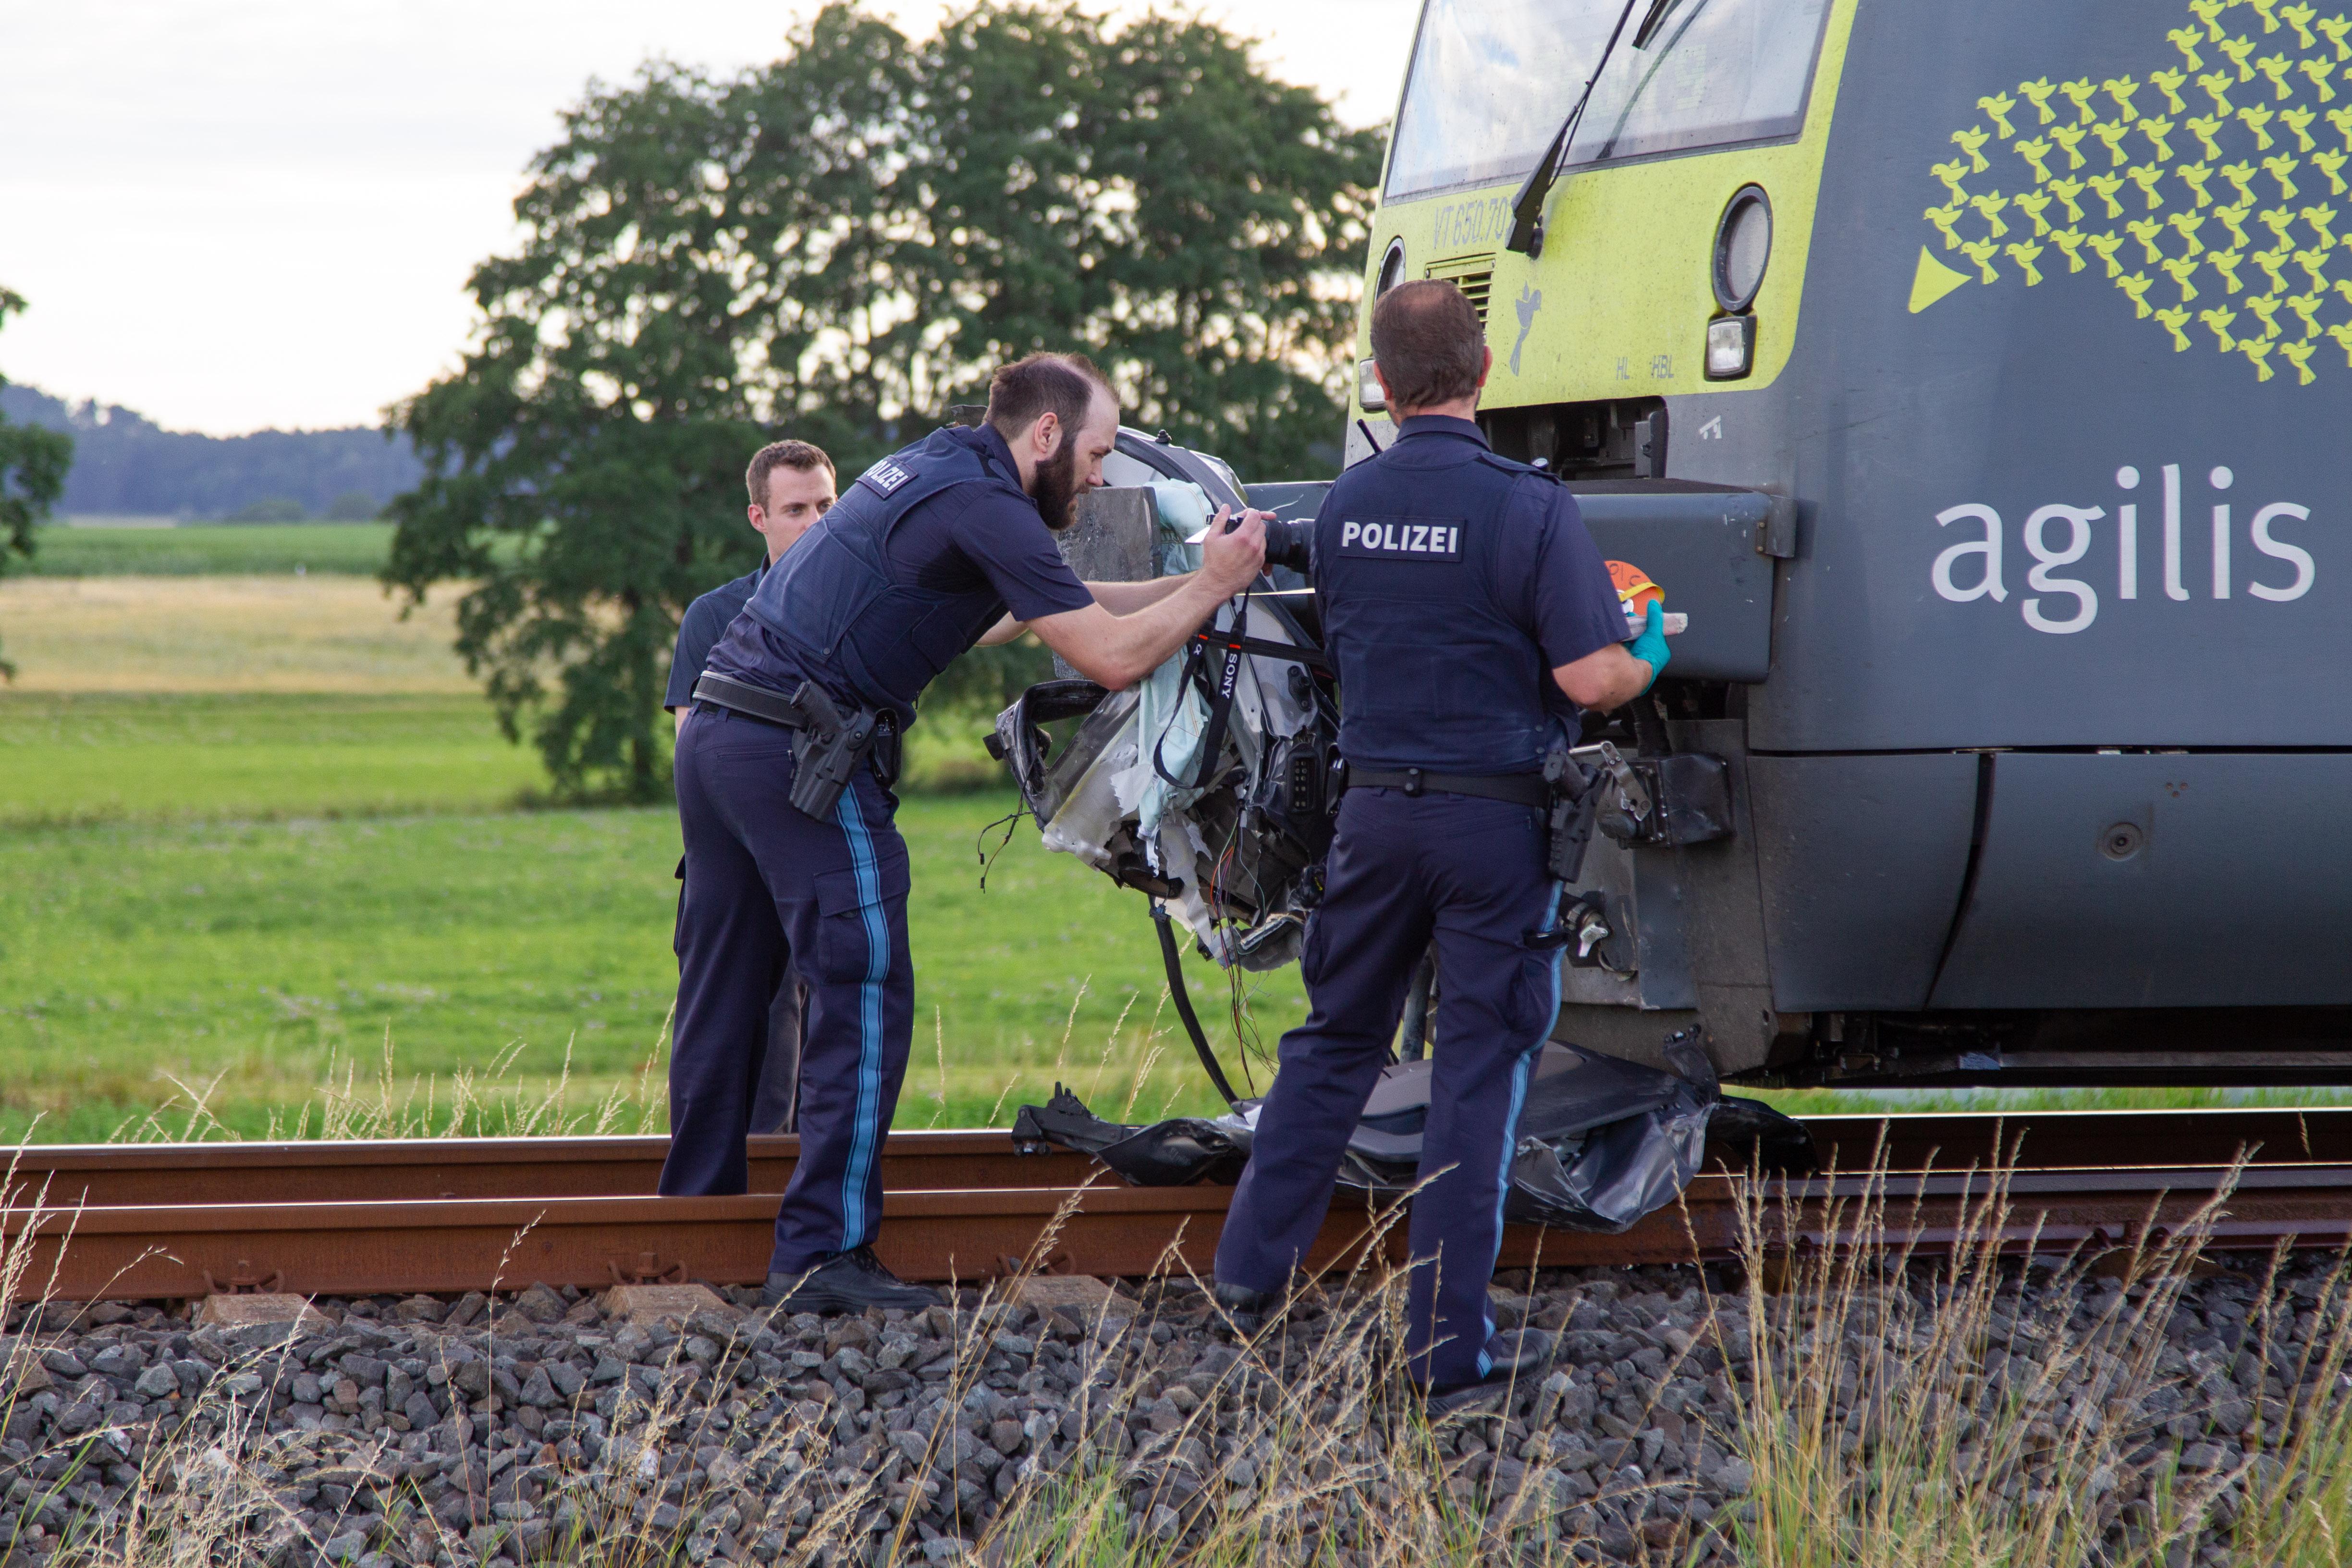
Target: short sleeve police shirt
977,539
698,631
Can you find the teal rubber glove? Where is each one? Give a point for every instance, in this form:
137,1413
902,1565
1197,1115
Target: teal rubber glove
1651,645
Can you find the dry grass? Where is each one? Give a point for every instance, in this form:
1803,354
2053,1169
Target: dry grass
284,634
374,1101
1943,1417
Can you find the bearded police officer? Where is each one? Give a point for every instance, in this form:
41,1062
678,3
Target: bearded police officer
789,838
1462,599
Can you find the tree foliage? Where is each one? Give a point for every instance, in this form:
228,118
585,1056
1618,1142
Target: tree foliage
32,464
837,247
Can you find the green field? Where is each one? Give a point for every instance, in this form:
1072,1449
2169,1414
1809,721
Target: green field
197,549
245,928
255,828
237,964
84,758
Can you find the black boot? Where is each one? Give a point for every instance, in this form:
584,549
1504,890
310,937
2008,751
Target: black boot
1519,1357
847,1282
1246,1309
1523,1353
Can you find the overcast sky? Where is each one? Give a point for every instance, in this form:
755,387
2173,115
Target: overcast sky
237,213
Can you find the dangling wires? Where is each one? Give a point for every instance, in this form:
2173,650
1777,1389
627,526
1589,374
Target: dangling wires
1184,1000
1011,823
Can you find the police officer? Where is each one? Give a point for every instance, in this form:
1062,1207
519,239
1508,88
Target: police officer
1465,606
790,484
933,548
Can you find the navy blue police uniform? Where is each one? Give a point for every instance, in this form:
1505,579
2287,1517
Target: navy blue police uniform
773,1076
920,558
698,630
1451,583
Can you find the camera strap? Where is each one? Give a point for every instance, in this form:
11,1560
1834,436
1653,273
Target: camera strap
1221,696
1235,646
1259,648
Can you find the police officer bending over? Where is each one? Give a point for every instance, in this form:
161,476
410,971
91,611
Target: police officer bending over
789,841
1462,599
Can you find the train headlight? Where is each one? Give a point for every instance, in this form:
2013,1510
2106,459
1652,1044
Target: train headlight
1391,273
1731,347
1391,269
1743,248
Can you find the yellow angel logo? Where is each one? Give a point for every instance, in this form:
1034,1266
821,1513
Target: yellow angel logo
2255,103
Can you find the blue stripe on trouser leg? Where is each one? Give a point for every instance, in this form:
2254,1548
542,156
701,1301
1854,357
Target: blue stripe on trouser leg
1487,885
867,1135
1520,1076
1503,1189
848,934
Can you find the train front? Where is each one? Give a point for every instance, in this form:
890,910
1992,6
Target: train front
1976,379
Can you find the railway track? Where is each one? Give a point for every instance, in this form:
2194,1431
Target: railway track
175,1221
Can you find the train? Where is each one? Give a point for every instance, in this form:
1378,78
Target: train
1972,377
1968,375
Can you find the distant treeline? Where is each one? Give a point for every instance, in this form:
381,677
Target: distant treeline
125,464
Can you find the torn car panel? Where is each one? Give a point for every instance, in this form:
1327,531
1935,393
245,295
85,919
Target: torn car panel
1602,1141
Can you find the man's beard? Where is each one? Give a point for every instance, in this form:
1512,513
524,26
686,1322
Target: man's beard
1057,486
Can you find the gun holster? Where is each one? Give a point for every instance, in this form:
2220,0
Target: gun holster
829,747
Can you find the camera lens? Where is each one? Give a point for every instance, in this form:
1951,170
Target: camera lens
1286,545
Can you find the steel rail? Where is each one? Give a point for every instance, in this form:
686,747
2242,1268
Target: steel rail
117,1176
359,1171
447,1244
2085,1139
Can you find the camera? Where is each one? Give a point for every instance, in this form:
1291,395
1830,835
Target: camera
1286,545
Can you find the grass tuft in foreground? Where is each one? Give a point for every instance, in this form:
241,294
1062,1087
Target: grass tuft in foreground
1968,1412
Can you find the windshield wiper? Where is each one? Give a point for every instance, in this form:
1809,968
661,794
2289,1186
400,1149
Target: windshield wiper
1649,27
1526,207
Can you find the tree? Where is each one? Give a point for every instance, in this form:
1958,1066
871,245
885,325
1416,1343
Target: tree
836,247
1153,195
32,464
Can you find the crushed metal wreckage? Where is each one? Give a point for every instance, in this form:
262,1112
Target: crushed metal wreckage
1602,1141
1209,788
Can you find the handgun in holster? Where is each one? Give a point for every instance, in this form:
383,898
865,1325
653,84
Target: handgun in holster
829,748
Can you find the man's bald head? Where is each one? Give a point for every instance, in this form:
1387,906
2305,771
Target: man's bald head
1429,344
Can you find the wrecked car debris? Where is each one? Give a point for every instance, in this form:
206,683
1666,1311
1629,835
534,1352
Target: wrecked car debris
1210,787
1602,1141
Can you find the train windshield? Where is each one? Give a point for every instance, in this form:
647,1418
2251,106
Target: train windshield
1492,80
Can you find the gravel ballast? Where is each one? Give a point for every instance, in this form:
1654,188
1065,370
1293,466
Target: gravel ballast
431,1431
